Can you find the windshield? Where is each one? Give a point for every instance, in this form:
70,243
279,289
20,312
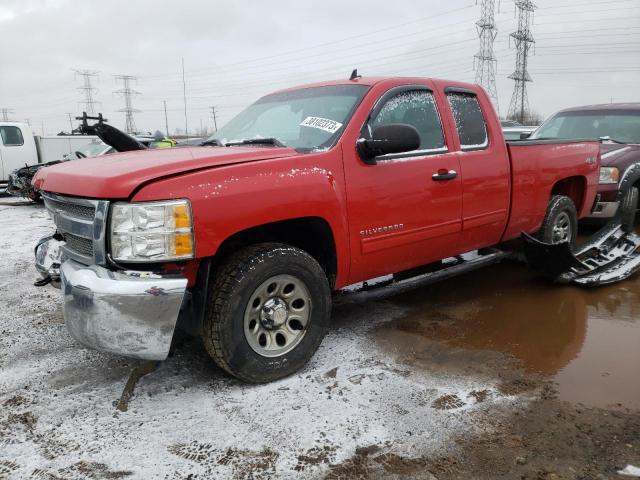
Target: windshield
306,119
620,125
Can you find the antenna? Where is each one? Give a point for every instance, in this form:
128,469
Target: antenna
485,62
127,93
354,75
519,106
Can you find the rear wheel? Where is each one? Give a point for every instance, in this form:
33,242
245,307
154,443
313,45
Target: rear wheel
560,223
268,310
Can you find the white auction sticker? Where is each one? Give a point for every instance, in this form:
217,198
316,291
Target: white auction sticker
325,124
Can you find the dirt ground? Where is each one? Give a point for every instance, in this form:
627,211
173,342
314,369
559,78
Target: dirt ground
493,375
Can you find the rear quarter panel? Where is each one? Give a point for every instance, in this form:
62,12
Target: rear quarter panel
536,167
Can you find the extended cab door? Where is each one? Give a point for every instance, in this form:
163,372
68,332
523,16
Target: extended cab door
484,167
405,210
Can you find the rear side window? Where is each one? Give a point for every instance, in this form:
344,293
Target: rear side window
469,120
11,136
418,109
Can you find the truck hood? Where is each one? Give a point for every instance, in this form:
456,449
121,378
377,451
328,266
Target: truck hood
116,176
619,155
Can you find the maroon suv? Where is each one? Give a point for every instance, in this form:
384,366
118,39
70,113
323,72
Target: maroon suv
617,125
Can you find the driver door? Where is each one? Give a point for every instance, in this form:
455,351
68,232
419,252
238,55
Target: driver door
403,212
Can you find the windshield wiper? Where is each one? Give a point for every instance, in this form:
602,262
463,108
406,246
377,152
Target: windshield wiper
257,141
211,143
609,139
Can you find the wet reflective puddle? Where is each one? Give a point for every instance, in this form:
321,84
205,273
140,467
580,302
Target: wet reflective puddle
587,341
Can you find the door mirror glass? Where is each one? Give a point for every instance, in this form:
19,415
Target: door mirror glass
386,139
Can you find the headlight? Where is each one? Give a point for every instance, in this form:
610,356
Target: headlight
609,175
151,231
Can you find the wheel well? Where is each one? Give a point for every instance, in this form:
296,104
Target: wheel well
311,234
572,187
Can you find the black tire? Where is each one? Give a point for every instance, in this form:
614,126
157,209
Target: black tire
231,288
560,208
629,208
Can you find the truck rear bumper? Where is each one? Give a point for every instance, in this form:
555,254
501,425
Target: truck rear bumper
127,313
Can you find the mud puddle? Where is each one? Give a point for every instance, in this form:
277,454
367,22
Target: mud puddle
586,341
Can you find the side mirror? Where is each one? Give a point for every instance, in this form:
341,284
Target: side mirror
392,138
525,135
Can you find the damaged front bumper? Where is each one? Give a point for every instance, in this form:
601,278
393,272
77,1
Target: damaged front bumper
611,255
128,313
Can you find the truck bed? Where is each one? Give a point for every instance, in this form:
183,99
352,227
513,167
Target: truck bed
536,169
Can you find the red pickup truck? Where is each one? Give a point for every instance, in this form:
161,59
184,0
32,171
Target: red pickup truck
306,191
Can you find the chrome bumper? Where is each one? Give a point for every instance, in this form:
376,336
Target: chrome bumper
604,210
128,313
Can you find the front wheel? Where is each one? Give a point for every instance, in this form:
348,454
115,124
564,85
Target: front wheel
268,309
560,223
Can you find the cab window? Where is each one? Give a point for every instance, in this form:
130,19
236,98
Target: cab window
469,120
418,109
11,136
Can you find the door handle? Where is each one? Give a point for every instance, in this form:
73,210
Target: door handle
443,175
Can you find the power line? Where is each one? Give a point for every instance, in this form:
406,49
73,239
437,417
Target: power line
128,93
519,106
485,61
87,89
305,51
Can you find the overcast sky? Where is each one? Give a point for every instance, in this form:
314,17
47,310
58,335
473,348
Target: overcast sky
587,51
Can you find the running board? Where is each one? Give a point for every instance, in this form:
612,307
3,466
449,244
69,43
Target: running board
447,268
610,256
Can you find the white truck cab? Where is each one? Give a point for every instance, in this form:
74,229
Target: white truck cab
17,149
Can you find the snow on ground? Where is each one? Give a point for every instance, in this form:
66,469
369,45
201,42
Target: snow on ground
59,419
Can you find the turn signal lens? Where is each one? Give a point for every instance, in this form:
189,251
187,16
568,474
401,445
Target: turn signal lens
182,216
184,245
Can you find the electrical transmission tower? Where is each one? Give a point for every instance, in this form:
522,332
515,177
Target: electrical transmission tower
5,113
127,93
485,61
519,106
88,90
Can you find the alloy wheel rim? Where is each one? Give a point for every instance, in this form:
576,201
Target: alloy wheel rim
277,315
562,229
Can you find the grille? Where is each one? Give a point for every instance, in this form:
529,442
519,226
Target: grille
75,210
79,245
79,221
